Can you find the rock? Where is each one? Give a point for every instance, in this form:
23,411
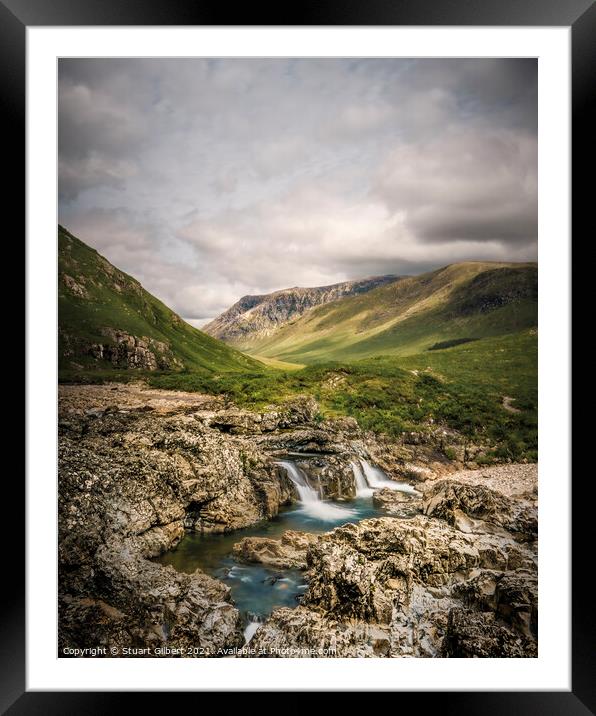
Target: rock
298,412
479,634
513,596
301,633
130,483
416,473
478,508
431,588
77,288
149,606
404,504
127,351
331,474
363,571
287,552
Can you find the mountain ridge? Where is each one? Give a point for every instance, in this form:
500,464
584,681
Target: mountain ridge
255,317
463,300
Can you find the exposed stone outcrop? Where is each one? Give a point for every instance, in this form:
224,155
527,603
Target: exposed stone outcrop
449,573
429,584
137,603
124,350
287,552
301,632
402,504
77,288
480,634
299,413
131,483
476,508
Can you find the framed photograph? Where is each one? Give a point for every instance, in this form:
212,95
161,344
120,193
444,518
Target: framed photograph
299,353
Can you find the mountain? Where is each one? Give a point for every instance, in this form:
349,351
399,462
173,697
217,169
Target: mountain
254,318
107,319
451,305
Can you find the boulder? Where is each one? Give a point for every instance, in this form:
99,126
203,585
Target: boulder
478,508
287,552
403,504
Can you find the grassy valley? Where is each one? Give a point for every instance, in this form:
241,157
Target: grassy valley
455,348
486,390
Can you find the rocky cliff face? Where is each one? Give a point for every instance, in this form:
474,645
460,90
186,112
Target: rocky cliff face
122,350
256,317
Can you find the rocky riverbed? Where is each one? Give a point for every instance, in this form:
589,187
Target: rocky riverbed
448,570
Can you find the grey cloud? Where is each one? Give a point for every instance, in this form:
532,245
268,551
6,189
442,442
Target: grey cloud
209,179
475,184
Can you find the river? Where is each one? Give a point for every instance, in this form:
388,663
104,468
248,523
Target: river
258,590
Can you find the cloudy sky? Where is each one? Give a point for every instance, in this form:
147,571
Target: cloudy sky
211,179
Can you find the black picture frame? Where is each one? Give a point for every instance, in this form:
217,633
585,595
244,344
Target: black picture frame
580,15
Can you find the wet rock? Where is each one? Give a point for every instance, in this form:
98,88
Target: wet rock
404,504
331,475
287,552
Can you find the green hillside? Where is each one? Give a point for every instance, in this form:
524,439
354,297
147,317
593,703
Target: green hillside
485,389
469,300
107,320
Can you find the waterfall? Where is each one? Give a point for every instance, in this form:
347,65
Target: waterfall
362,487
298,477
371,478
311,500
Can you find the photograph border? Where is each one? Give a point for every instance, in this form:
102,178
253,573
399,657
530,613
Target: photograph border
16,16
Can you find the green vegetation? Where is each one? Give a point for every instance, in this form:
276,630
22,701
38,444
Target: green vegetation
94,295
411,315
449,344
397,359
460,387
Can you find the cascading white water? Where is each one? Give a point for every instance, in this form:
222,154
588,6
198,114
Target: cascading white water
312,502
376,479
362,486
297,476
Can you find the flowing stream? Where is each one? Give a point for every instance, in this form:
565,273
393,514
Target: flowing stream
256,589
